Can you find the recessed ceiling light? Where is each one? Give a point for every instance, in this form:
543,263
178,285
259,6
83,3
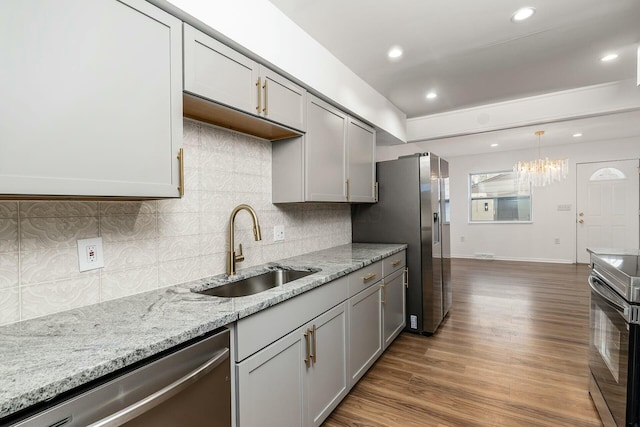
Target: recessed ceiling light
395,52
609,57
577,135
522,14
432,95
494,145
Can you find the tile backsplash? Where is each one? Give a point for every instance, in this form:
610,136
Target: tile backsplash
152,244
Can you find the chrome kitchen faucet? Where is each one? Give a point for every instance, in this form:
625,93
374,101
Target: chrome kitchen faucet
232,257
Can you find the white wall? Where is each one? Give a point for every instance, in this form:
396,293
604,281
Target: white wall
535,241
151,244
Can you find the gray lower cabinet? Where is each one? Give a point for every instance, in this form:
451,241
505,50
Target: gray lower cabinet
394,285
333,162
299,379
327,382
214,71
291,375
271,385
393,306
365,331
91,99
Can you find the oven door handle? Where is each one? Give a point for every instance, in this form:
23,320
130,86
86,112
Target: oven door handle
610,297
160,396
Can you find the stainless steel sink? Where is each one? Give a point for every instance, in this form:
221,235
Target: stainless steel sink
255,284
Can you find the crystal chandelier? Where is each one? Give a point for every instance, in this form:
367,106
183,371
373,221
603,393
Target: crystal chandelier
541,172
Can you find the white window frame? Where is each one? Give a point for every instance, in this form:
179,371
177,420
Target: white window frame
470,201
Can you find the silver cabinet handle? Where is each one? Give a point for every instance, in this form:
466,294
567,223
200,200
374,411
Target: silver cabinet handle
151,401
395,263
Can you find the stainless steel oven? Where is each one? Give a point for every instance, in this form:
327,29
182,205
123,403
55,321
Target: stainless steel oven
614,345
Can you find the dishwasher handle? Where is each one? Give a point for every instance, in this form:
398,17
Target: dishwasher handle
151,401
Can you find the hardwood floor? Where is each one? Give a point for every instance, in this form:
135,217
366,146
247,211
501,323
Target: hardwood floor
511,352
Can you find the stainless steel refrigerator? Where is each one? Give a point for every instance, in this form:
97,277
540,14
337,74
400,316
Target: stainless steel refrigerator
413,208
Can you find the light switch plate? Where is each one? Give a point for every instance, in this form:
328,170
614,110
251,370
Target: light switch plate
90,254
278,233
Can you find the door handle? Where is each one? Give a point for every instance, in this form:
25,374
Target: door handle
581,221
384,293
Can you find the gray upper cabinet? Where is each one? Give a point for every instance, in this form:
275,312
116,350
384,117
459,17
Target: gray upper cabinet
215,71
220,74
91,99
333,162
282,101
325,153
361,162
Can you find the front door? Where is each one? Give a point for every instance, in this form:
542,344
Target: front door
607,206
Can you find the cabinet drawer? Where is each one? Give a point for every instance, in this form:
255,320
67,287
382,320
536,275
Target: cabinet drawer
261,329
393,263
365,277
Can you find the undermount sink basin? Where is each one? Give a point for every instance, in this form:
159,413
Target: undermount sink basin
255,284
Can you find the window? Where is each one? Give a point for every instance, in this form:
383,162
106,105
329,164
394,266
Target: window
607,174
497,197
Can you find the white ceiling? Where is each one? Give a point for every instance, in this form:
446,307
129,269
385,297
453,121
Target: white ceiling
593,129
469,51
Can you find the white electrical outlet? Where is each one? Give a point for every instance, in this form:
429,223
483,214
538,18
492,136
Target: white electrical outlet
90,254
278,233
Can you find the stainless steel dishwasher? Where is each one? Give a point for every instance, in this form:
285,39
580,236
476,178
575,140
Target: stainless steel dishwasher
188,387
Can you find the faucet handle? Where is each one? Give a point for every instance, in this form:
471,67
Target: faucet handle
239,256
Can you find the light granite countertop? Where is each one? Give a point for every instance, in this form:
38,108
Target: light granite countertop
43,357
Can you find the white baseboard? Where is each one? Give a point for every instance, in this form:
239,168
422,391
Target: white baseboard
501,258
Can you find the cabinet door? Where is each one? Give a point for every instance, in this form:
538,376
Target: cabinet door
271,384
393,306
365,334
91,100
327,381
214,71
325,156
361,143
282,100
